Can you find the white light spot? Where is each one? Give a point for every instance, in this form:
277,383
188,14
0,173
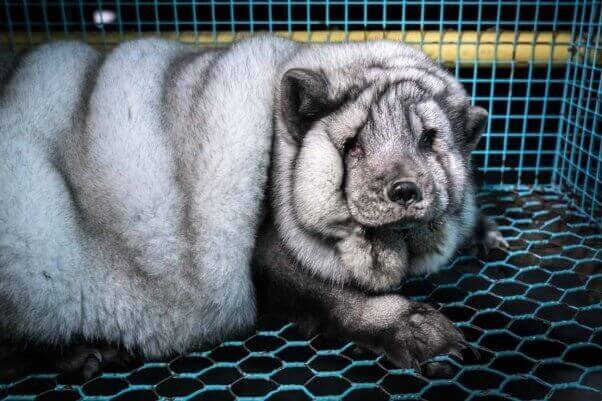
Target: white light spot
103,17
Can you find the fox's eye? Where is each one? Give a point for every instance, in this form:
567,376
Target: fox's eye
427,138
353,147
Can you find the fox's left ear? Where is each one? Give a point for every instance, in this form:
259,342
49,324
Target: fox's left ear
476,121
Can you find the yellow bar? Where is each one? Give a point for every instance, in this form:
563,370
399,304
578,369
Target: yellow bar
448,47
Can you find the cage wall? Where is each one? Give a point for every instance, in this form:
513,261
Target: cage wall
578,165
523,60
533,311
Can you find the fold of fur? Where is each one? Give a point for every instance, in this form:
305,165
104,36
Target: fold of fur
132,188
133,182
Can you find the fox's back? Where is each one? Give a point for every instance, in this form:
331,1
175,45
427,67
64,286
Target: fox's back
134,185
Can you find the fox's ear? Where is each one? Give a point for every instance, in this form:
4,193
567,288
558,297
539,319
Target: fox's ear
476,121
304,99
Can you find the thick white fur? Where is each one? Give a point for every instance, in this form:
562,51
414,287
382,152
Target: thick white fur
133,186
128,212
307,186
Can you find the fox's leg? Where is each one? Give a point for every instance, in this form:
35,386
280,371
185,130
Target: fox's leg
487,236
18,359
407,332
90,359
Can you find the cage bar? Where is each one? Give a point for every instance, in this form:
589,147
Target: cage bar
532,311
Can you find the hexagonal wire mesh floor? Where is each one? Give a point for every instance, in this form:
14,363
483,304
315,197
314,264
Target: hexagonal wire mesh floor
533,313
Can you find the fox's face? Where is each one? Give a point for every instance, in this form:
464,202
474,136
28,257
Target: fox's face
390,145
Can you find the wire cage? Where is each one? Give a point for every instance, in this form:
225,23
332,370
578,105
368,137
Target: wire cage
533,312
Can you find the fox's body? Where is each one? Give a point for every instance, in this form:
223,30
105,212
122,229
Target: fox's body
134,187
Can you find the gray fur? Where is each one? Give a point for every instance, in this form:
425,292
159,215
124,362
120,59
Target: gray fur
132,191
381,97
134,182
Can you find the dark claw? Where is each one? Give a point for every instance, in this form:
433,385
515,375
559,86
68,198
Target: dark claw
436,305
475,352
88,361
456,353
423,333
415,365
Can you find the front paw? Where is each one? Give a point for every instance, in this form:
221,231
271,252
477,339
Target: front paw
487,237
420,334
90,360
494,239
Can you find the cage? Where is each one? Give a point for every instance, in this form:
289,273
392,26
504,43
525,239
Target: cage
533,312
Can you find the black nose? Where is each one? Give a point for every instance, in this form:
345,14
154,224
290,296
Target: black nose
403,192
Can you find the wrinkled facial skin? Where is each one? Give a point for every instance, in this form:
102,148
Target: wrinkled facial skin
379,147
406,138
370,173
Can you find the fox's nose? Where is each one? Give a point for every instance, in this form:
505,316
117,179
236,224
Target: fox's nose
404,192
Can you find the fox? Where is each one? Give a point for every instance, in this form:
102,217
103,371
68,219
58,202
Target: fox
157,197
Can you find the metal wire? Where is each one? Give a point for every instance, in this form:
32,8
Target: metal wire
533,312
525,61
578,166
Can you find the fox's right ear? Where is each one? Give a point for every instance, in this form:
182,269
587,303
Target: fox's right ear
304,99
476,121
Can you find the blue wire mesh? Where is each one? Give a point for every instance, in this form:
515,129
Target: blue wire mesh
64,16
579,162
528,100
533,312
